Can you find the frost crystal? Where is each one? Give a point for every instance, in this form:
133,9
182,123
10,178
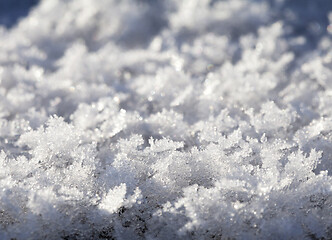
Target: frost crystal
193,119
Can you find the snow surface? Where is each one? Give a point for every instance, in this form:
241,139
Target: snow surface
193,119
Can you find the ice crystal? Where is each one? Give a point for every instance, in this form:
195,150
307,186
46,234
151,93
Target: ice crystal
167,120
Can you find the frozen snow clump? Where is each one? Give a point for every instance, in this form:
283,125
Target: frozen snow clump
141,119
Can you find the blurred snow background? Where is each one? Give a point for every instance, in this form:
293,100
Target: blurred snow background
12,10
142,119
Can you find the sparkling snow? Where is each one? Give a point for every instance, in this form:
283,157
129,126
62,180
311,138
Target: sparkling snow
141,119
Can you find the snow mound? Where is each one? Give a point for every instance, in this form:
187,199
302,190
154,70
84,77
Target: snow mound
194,119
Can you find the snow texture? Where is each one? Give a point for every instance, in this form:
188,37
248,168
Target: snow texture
193,119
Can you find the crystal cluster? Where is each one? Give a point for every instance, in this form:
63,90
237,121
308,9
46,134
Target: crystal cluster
194,119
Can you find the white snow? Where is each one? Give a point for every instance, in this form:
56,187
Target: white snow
194,119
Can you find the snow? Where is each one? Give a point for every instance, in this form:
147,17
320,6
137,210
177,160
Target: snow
168,119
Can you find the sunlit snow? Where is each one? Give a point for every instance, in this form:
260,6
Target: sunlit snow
142,119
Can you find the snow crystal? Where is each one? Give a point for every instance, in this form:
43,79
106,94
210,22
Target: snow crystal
194,119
